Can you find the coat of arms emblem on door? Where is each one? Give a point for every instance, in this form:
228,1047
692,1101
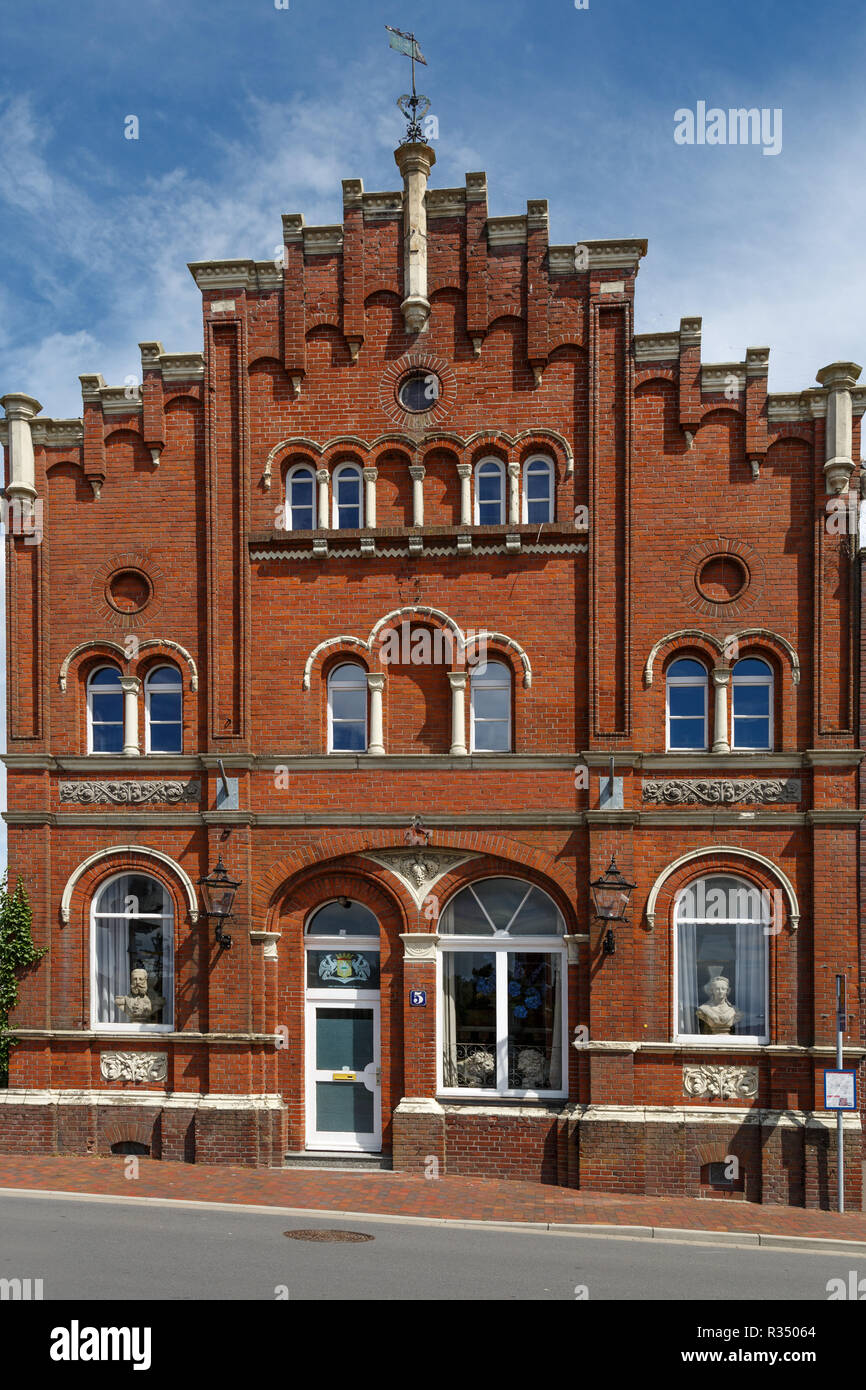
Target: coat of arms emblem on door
345,966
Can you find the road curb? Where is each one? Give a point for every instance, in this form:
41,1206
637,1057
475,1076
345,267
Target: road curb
812,1245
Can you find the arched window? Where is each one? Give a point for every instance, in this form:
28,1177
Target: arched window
752,704
301,498
490,689
538,490
104,711
722,934
348,498
686,704
502,1006
163,710
490,493
132,945
347,709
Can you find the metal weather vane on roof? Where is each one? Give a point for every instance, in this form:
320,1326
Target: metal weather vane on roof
406,43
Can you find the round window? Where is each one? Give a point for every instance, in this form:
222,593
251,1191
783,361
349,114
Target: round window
128,591
722,578
419,392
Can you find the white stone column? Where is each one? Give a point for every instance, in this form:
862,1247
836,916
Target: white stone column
458,712
324,509
375,685
20,410
514,493
464,472
415,160
721,681
417,473
130,685
839,378
370,476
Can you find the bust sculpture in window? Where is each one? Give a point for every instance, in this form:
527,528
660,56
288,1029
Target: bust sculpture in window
139,1005
718,1015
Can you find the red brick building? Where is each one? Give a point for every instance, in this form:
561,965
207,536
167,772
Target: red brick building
427,531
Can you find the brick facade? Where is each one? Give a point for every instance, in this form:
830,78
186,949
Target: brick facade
659,464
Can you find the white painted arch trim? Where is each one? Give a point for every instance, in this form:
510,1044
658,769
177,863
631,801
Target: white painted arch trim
182,875
98,644
684,633
323,646
703,853
181,651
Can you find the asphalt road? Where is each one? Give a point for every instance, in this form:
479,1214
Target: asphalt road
85,1250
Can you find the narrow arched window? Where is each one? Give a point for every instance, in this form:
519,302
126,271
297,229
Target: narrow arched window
347,709
490,493
538,490
301,499
721,943
348,498
132,942
104,711
163,710
491,708
752,704
686,704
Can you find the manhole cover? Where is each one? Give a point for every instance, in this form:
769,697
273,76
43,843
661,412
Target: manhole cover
328,1235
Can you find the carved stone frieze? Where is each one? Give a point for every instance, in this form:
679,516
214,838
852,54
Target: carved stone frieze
418,869
134,1066
711,1081
676,791
128,793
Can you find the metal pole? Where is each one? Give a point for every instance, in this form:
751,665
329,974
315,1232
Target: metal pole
840,1028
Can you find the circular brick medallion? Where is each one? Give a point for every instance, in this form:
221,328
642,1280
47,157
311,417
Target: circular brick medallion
721,577
128,591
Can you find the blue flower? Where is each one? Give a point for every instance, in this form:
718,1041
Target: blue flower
519,1011
533,999
513,988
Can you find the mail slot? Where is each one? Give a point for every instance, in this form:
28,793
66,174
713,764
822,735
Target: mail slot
343,1076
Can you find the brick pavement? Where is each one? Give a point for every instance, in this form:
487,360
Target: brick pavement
397,1194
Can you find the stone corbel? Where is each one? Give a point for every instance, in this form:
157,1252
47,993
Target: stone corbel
295,379
573,944
476,346
839,378
537,372
270,940
354,346
419,947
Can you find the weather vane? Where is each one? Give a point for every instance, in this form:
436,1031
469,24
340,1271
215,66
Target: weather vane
405,43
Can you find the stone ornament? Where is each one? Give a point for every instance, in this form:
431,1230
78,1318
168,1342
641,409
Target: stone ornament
719,1014
134,1066
419,869
675,791
708,1081
139,1005
128,793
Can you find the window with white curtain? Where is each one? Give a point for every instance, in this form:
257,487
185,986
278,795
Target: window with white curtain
104,711
722,931
490,493
538,490
490,708
502,991
752,704
163,710
301,498
132,947
347,709
348,498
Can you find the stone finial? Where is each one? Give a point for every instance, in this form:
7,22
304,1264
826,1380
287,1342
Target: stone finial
415,160
839,378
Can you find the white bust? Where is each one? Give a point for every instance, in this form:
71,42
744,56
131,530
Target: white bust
718,1015
139,1005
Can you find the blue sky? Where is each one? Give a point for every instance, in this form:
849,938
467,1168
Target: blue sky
247,112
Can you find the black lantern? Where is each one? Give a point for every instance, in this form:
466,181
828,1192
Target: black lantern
610,895
218,891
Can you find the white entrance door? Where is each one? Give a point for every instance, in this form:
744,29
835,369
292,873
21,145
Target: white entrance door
344,1074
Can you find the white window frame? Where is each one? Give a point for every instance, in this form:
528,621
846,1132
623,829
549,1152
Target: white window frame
339,471
168,961
309,470
715,1040
501,944
503,499
770,682
681,681
524,514
348,752
149,683
101,752
508,683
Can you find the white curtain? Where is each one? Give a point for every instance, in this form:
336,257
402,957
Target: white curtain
449,1021
555,1081
112,950
687,975
748,982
